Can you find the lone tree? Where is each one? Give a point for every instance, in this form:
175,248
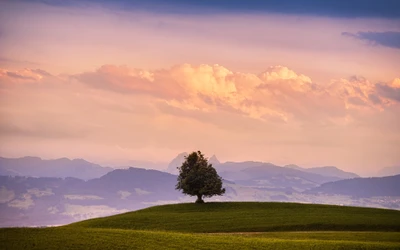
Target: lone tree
198,178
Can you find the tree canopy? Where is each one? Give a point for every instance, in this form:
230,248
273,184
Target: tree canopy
199,178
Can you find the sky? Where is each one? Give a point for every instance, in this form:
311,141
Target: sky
312,83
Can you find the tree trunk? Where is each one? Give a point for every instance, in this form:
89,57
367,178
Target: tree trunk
199,198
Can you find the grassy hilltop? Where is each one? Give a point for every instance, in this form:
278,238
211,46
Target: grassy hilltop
250,217
231,225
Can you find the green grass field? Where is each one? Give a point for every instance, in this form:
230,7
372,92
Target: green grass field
235,225
251,217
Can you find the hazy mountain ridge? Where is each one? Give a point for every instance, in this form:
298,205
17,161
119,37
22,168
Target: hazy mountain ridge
176,162
262,175
326,171
362,187
62,168
142,183
49,200
270,176
79,168
214,160
236,170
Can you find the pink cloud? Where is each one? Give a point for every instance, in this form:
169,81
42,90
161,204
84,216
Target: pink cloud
278,93
22,75
390,91
200,106
126,80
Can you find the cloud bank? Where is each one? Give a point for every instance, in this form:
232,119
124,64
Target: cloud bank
120,112
277,93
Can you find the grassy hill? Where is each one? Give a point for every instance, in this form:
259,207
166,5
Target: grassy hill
250,217
235,225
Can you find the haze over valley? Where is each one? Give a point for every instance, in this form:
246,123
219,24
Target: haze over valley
37,192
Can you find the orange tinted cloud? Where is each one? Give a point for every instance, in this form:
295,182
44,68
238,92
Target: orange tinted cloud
22,75
156,112
277,93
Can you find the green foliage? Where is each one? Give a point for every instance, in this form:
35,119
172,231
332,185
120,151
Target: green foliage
198,178
230,217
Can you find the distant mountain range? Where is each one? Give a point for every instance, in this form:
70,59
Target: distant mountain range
176,162
79,168
270,176
362,187
49,200
82,169
326,171
64,167
330,171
